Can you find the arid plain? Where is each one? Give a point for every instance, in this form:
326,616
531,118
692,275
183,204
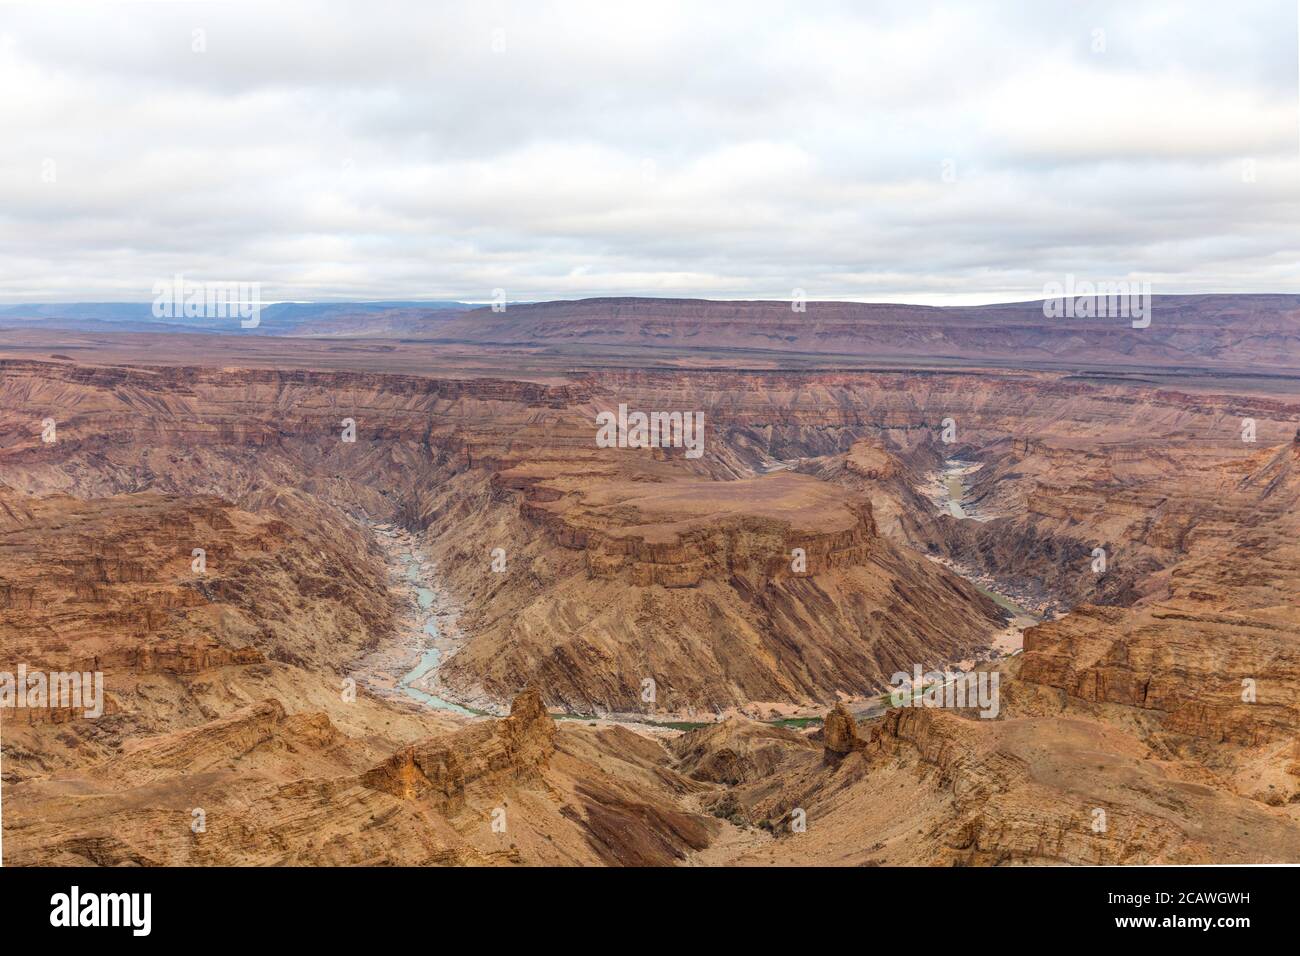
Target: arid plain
466,633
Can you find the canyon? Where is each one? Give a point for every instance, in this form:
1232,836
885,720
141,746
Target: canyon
657,659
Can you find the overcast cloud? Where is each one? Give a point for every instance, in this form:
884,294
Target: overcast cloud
438,150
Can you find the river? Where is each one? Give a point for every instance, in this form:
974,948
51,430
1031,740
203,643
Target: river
425,633
426,668
947,488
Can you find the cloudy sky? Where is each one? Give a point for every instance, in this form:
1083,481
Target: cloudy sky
932,152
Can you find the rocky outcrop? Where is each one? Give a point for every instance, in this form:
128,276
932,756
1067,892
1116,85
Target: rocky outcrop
267,785
1017,791
630,569
734,636
1221,677
510,751
760,548
840,733
735,751
201,748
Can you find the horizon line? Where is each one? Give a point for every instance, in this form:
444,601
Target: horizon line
477,303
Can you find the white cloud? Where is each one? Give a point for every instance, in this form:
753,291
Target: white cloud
385,150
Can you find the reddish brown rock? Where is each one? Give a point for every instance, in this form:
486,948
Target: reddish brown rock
840,732
513,750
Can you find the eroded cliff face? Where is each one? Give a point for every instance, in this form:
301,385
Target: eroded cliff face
263,786
162,583
1048,782
1077,790
692,585
1213,648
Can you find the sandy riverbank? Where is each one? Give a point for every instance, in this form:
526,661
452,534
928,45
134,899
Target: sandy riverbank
427,633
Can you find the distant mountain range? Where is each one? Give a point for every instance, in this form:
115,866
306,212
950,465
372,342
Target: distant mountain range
1255,332
1197,330
281,318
